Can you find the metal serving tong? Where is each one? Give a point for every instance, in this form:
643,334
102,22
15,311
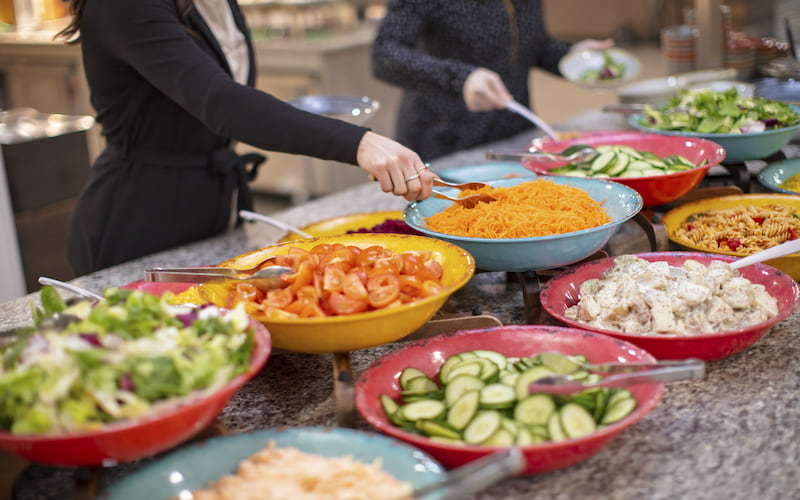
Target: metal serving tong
474,476
264,278
622,375
467,201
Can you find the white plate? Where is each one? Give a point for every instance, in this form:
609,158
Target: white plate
745,89
651,91
575,64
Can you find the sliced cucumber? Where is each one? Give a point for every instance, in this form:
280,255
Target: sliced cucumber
618,410
424,409
472,367
554,429
529,376
444,370
576,421
602,162
559,362
482,427
389,405
535,409
493,356
421,384
435,428
500,438
463,410
409,373
459,385
497,396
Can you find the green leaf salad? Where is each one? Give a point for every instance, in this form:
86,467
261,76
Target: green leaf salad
610,70
713,112
82,365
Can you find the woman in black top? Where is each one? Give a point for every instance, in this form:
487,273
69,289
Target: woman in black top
460,62
162,82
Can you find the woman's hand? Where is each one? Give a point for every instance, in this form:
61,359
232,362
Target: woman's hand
398,169
592,44
485,91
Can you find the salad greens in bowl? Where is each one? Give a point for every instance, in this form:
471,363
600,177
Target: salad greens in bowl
749,128
599,68
127,377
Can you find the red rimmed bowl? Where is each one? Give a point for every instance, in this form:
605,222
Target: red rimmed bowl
126,441
655,189
427,355
562,291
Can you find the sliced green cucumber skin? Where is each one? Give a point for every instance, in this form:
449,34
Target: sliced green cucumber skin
478,387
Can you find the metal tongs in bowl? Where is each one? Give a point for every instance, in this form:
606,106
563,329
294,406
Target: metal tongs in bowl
622,375
265,278
468,201
474,476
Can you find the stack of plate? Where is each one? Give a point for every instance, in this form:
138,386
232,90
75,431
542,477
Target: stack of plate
740,54
678,46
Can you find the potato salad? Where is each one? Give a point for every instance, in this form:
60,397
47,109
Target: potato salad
642,297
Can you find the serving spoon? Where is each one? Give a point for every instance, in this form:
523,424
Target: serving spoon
70,288
265,279
782,250
255,217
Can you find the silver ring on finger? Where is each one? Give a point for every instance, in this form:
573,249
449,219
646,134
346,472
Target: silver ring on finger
415,176
424,167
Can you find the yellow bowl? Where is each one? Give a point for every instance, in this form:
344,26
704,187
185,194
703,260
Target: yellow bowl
356,331
343,223
673,219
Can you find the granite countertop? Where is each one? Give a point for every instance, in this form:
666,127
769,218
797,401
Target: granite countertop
733,434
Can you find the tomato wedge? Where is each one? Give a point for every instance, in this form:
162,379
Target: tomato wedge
340,304
382,289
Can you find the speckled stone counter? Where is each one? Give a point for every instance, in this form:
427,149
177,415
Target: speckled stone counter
734,434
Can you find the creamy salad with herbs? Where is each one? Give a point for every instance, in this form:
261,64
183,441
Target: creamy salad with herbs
713,112
85,365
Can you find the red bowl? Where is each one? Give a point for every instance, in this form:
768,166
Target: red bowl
382,377
656,189
143,437
562,291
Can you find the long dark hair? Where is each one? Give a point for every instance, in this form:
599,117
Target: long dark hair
72,32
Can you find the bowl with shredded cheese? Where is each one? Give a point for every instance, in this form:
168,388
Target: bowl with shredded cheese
782,176
303,462
541,223
710,312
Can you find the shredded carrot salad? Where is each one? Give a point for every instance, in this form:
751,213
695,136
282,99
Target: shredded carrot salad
536,208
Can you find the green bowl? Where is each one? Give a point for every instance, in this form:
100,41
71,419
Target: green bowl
738,147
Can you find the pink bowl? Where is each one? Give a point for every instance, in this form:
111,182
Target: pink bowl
382,377
127,441
561,292
657,189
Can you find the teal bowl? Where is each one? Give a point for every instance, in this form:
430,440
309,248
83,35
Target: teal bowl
539,252
738,147
775,174
193,467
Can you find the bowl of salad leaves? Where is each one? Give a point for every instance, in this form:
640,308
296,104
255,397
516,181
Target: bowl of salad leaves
96,384
599,68
749,128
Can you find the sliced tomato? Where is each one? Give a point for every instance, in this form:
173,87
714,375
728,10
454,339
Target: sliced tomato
333,279
280,297
382,289
431,287
353,286
340,304
369,255
411,285
311,311
435,268
302,277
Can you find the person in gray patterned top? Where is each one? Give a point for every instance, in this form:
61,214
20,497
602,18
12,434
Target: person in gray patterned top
460,62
